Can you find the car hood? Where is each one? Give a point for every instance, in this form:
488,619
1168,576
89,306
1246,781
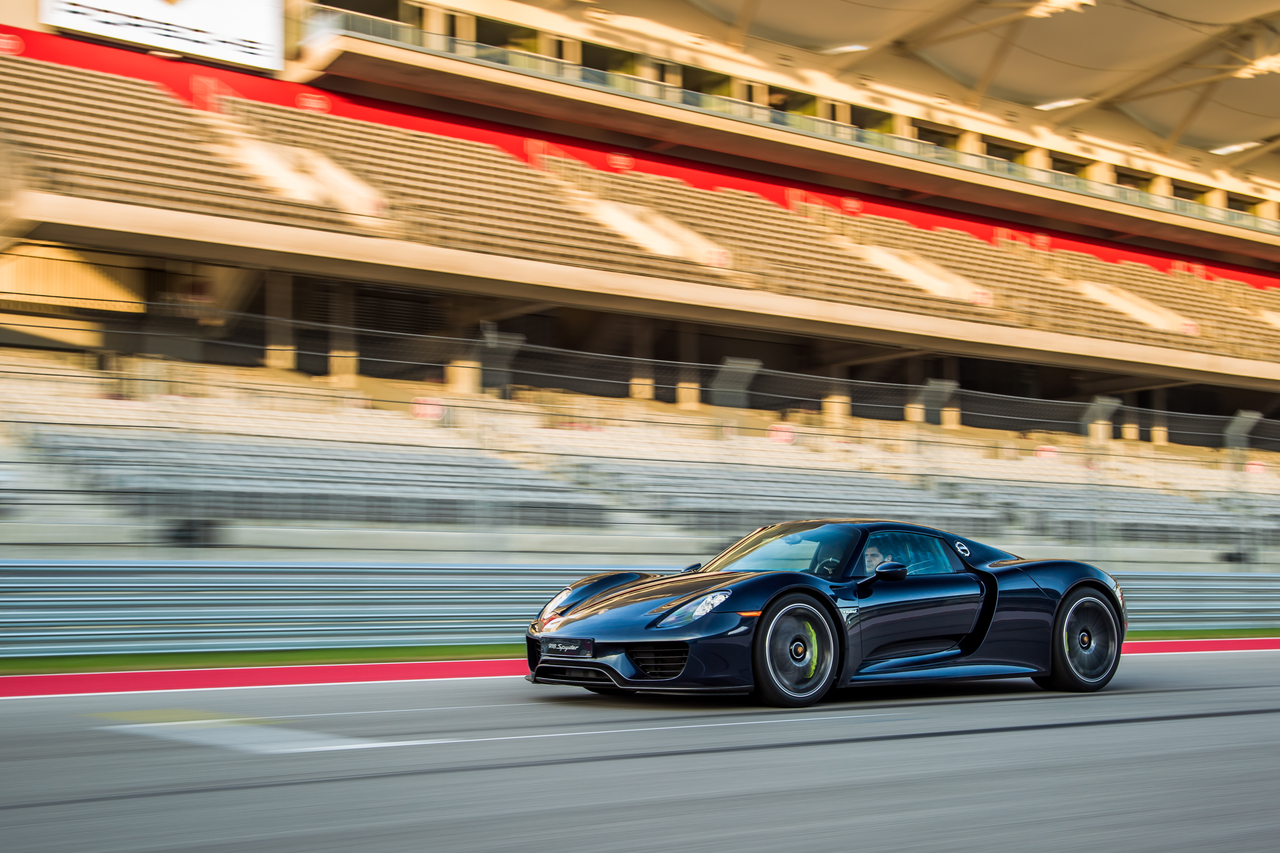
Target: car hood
651,594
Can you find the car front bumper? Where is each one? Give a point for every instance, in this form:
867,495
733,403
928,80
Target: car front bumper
718,660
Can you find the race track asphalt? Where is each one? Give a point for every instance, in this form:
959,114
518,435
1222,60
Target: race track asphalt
1180,753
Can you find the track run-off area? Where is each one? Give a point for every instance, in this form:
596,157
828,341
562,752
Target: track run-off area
1178,753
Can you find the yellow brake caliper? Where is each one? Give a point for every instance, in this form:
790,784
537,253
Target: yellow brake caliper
813,650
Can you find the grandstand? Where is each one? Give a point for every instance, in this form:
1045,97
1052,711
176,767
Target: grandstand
213,464
666,270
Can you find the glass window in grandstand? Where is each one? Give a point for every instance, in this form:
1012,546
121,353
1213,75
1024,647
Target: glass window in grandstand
389,9
796,103
1133,180
706,82
940,138
1066,165
506,36
610,59
1002,151
1187,192
1241,204
869,119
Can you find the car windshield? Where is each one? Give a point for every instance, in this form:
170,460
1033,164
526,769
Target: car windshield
801,546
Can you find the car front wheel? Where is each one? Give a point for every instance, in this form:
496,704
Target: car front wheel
1086,644
795,653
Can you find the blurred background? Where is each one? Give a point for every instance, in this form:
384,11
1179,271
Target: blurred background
447,302
352,332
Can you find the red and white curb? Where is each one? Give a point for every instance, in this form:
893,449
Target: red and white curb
76,683
1181,647
73,683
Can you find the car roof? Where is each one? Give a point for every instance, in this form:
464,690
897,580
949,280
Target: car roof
871,524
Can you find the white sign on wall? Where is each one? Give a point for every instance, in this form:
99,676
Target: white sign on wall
241,32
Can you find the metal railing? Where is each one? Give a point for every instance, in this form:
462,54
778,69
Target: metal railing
401,355
326,21
186,454
70,608
105,608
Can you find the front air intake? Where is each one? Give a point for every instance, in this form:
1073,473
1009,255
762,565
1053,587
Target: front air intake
577,675
659,660
534,648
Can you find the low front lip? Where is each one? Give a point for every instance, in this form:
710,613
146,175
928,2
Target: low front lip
719,651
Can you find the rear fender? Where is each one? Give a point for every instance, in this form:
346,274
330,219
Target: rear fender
1059,578
1110,593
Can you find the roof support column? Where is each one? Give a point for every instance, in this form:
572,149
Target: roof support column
837,403
642,384
1160,424
1130,429
689,385
282,352
344,355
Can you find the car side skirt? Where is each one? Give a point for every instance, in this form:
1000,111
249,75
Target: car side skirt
947,673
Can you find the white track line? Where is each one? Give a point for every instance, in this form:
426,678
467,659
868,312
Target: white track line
397,711
270,740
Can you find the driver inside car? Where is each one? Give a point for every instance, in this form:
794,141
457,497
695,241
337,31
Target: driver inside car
874,556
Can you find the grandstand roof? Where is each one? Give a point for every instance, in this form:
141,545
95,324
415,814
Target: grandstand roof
1205,74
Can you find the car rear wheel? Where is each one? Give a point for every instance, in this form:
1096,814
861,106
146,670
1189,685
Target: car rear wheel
795,653
1086,644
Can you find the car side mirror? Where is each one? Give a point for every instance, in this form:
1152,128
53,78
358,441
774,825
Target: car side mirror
694,567
891,572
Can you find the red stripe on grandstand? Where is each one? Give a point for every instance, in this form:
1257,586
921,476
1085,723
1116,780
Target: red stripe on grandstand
1164,647
65,684
71,683
192,83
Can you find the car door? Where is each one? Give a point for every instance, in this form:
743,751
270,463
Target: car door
929,611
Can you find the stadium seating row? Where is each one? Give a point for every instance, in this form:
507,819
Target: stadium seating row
109,137
113,138
236,456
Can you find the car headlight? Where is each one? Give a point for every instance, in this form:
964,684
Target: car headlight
554,603
694,610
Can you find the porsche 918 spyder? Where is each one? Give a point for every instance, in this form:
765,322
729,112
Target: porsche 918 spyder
796,609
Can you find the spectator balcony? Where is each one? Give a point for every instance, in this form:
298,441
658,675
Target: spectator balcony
342,44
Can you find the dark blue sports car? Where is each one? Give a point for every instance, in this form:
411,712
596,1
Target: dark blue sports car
796,609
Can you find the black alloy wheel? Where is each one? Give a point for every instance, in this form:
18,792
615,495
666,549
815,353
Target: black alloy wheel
1086,643
795,653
